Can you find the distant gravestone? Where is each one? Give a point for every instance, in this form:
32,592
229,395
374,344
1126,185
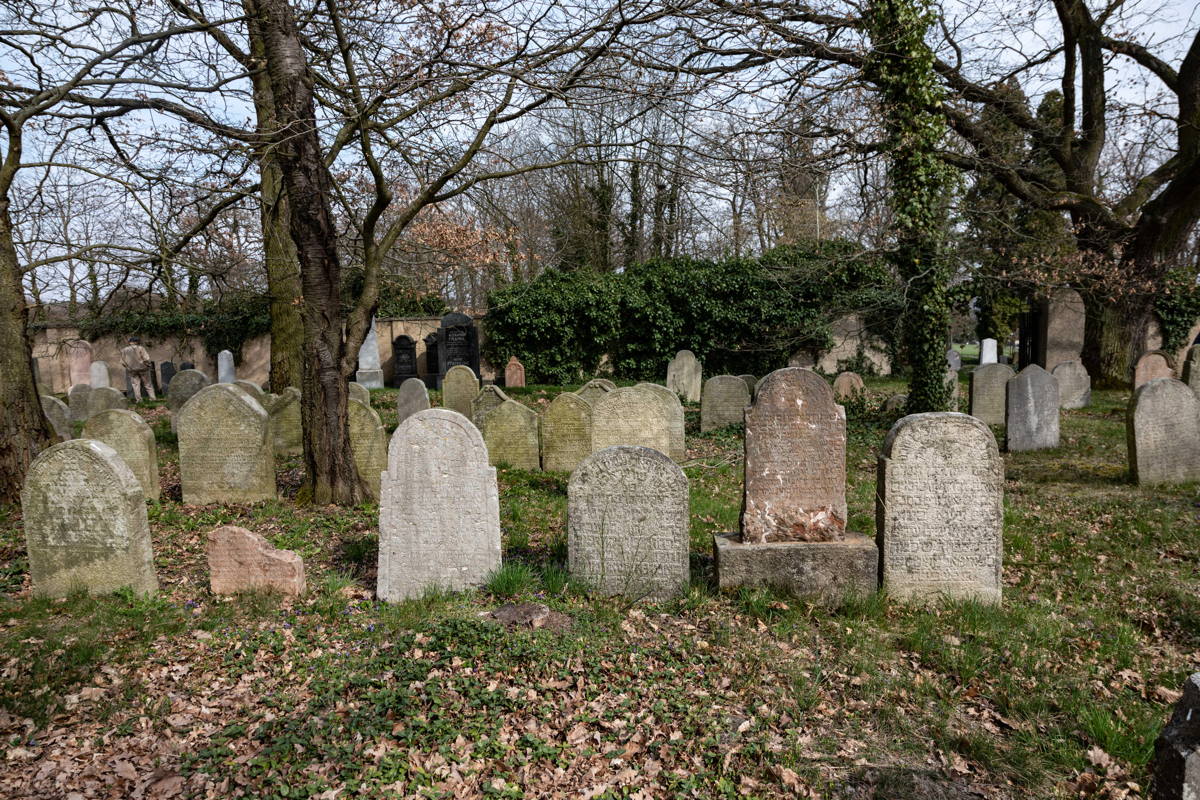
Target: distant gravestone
412,397
85,522
98,375
488,399
104,398
510,432
254,390
1177,749
674,409
459,388
185,384
186,365
360,393
566,433
404,359
1191,369
514,373
989,384
684,376
951,378
751,383
431,359
1062,323
225,448
242,561
847,386
370,372
166,371
226,372
987,351
1074,384
1154,364
723,402
594,389
939,509
133,440
287,432
458,343
953,359
77,399
1162,429
632,416
1031,410
59,416
439,514
895,403
79,357
368,443
627,523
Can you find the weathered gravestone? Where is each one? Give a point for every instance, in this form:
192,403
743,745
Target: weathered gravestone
287,431
98,375
166,372
59,416
253,389
566,433
953,359
951,378
133,440
225,448
439,515
594,389
1031,410
1191,368
1153,364
895,402
634,416
514,373
77,400
751,382
404,359
186,365
1062,323
847,386
627,523
185,384
412,397
488,399
510,432
1177,750
987,351
684,376
85,522
674,409
988,389
1162,430
370,373
368,443
359,392
939,511
79,357
459,388
1074,384
242,561
723,402
104,398
226,372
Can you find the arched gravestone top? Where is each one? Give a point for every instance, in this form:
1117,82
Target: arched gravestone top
59,417
514,373
287,432
133,440
225,448
988,388
751,383
368,443
1162,429
566,432
1074,384
1031,410
404,358
98,375
895,402
1153,364
848,385
723,402
412,397
678,443
627,523
684,376
185,384
360,393
953,359
85,522
459,388
510,431
439,514
987,351
594,389
104,398
226,373
633,416
939,509
795,488
488,399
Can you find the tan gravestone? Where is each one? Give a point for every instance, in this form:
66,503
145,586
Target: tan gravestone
360,393
1074,384
242,561
1062,322
1154,364
79,357
514,373
488,399
133,440
85,522
751,383
847,386
184,384
988,387
566,433
1031,410
510,432
1162,429
939,509
439,515
77,400
594,389
59,416
368,442
723,402
895,403
1191,368
634,416
104,398
684,376
459,388
253,389
627,523
678,451
412,397
287,432
225,448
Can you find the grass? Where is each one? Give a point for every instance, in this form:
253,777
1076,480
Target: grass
746,694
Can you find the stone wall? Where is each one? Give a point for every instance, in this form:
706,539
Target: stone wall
848,333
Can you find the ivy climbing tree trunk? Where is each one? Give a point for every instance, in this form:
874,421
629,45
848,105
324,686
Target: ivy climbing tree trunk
901,66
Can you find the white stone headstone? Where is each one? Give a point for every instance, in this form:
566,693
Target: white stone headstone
98,374
987,351
369,372
225,369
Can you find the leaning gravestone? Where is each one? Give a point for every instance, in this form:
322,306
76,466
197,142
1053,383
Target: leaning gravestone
1162,430
939,509
1074,384
368,443
98,375
439,514
566,433
59,416
510,432
633,416
77,400
723,402
514,373
684,376
85,522
1177,750
287,432
225,450
594,389
627,523
1154,364
987,352
988,388
674,409
953,359
459,388
488,399
226,372
104,398
412,397
847,386
1031,410
751,383
185,384
1191,368
359,392
133,440
370,373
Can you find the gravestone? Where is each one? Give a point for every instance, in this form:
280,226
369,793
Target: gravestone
225,448
723,402
359,392
186,365
185,384
226,372
594,389
370,373
59,416
1153,364
488,399
987,352
439,515
85,522
412,397
459,387
254,390
242,561
98,375
166,371
847,386
751,383
1074,384
1062,323
1177,749
566,433
133,440
404,359
674,408
988,388
939,509
434,378
953,359
104,398
633,416
77,400
1191,368
951,378
510,432
1031,410
627,523
79,357
895,403
458,343
684,376
514,373
1162,431
287,431
368,443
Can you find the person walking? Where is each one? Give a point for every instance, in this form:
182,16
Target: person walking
137,364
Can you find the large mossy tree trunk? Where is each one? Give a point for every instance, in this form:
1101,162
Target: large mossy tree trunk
1114,336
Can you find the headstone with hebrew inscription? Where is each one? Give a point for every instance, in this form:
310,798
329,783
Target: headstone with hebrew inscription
1162,430
370,373
627,523
104,398
723,402
225,449
488,399
85,522
1031,410
510,432
59,416
287,432
368,443
987,351
184,384
939,509
514,373
412,397
988,386
634,416
404,359
594,389
1074,384
77,401
684,376
674,409
98,375
439,513
847,386
459,388
226,372
1153,364
133,440
566,432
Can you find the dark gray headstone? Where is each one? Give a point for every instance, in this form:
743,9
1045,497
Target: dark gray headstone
458,343
1177,751
186,365
167,370
1031,410
404,359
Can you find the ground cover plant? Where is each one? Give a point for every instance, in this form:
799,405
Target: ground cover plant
1059,693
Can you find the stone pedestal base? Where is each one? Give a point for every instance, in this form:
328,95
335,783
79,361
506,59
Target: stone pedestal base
370,378
828,571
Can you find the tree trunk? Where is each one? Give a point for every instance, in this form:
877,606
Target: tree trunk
1114,336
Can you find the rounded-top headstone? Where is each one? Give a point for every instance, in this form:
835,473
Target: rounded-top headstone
685,376
566,432
723,402
1162,429
133,440
368,443
459,388
632,415
287,432
1074,384
412,397
1153,364
104,398
184,384
847,386
359,392
510,431
988,388
77,400
488,399
514,373
594,389
59,417
98,375
678,445
225,448
1031,410
226,372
